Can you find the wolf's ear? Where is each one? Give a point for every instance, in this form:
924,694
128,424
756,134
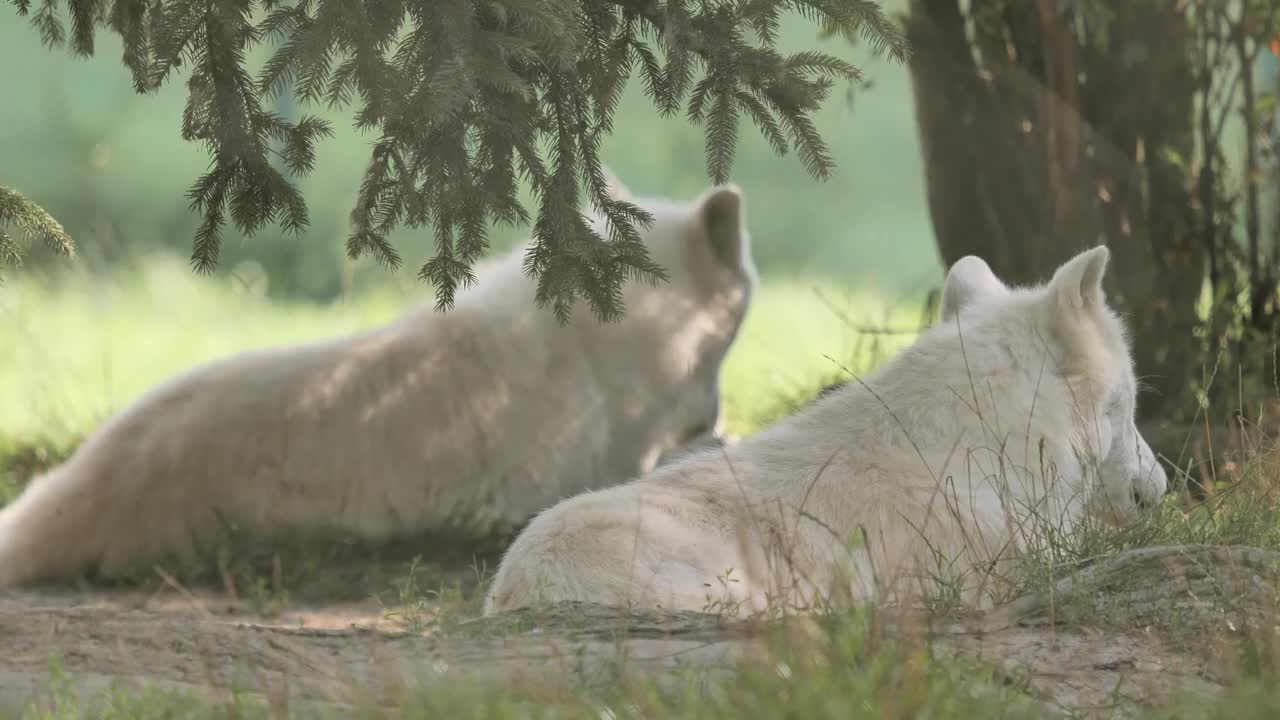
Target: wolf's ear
1077,285
721,211
969,279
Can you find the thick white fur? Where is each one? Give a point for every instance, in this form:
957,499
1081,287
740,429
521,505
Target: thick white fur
1012,416
470,420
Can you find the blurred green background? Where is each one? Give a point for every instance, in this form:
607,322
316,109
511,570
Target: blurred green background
79,338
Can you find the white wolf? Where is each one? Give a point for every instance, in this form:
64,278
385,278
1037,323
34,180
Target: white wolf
1013,415
470,420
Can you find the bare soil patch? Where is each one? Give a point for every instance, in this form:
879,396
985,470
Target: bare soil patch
1122,632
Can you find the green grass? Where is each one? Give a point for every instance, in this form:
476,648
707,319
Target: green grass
72,352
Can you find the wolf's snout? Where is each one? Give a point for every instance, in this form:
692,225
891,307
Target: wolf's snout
1151,487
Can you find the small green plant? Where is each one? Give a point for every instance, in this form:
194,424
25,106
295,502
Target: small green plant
443,609
266,597
727,603
413,610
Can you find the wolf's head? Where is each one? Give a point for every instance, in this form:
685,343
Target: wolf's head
667,350
1074,357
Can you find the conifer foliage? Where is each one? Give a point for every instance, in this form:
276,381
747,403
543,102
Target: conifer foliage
465,98
33,224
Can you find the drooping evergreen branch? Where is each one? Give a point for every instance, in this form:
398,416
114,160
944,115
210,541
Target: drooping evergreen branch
33,224
467,96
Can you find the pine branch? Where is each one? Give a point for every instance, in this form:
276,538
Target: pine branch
33,224
466,98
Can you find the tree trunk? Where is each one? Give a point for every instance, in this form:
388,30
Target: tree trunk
1039,140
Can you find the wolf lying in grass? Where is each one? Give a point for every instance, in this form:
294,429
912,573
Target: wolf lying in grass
468,421
1013,416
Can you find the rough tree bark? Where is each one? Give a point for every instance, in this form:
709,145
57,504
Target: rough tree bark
1044,132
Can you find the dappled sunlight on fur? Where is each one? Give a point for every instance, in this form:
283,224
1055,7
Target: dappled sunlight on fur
1008,422
468,421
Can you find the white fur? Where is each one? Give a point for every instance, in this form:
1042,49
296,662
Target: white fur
1012,416
470,420
970,278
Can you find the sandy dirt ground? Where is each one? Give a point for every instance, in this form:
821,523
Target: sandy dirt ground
1129,630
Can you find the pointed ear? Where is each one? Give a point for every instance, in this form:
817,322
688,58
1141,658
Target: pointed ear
968,280
722,215
1078,283
616,189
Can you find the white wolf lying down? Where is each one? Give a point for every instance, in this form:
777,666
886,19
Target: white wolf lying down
471,420
1017,407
